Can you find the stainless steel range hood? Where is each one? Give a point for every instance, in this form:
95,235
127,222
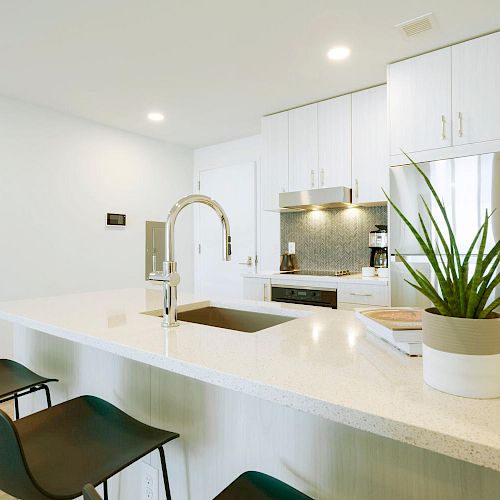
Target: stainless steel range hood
314,199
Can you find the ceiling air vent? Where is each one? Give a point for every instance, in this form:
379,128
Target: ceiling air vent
418,25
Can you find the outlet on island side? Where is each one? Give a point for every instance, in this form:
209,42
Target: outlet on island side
149,482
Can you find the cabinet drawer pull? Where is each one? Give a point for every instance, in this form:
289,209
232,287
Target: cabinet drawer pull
358,294
322,177
460,124
356,189
312,178
443,127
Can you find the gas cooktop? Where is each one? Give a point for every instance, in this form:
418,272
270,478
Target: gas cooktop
317,273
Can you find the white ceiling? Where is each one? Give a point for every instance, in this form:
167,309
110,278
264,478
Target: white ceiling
212,66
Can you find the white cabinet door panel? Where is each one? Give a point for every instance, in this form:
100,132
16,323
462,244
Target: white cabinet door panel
370,149
303,148
334,142
476,90
420,102
274,166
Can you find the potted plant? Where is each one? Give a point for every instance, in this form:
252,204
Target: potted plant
461,333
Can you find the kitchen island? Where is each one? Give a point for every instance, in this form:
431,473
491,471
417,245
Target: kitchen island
315,401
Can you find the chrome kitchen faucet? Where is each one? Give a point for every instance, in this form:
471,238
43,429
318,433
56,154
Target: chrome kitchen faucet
169,275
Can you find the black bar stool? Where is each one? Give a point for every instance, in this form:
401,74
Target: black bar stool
252,485
52,453
17,381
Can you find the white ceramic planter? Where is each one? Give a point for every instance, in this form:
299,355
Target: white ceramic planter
462,356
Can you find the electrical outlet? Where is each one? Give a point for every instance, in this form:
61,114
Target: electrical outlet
291,247
149,482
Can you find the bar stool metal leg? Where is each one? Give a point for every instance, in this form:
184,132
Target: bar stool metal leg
16,405
164,470
105,490
47,395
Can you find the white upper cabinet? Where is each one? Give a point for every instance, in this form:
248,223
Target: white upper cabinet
476,90
303,148
370,155
420,102
274,159
334,142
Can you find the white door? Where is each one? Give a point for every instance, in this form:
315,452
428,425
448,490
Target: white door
370,149
420,102
274,166
234,188
334,142
303,148
476,88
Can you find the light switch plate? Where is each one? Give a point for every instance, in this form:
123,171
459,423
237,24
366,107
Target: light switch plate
291,247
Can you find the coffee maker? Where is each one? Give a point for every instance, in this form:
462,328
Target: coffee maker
378,242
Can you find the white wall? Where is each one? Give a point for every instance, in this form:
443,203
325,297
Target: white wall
59,175
237,152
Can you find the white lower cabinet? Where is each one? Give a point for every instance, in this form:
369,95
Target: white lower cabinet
256,288
373,295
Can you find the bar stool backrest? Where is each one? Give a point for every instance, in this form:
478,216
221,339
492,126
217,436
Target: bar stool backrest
15,477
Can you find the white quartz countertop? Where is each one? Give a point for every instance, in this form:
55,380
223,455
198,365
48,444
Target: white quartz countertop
322,362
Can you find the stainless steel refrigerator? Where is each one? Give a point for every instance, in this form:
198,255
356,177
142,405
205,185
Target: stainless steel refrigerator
468,187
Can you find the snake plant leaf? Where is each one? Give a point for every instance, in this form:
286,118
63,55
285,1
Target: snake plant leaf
425,286
486,293
485,312
494,252
443,282
410,226
478,273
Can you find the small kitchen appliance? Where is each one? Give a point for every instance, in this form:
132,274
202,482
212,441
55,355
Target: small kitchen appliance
378,242
288,263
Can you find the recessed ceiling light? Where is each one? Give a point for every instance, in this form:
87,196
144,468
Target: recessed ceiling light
339,53
155,116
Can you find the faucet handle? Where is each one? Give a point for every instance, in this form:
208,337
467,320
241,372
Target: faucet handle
174,278
157,276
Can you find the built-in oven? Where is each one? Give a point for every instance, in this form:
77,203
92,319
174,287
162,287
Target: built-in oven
312,296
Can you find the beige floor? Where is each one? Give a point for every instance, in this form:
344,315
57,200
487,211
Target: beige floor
9,408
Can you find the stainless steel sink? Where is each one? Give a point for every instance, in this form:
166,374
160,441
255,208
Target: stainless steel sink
232,319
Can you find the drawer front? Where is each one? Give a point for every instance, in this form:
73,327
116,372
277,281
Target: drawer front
364,294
